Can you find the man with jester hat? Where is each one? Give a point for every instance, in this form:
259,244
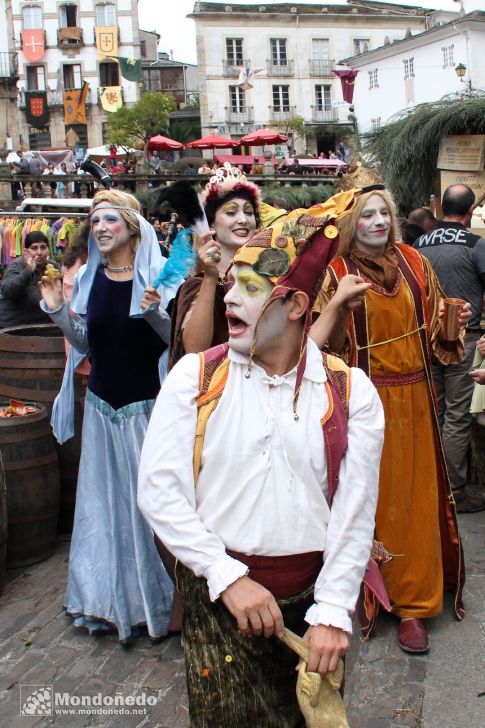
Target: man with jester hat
259,473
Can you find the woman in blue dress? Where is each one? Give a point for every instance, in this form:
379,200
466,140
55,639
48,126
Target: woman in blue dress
116,579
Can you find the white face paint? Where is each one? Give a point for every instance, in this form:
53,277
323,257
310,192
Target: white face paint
234,222
244,301
373,226
110,230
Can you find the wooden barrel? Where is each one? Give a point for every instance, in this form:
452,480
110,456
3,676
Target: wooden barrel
3,526
32,363
33,489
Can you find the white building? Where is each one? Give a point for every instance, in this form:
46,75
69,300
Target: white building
295,47
421,68
69,59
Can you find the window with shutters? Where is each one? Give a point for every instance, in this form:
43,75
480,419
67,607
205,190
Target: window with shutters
281,98
72,76
234,50
109,74
32,17
279,55
35,78
105,14
68,16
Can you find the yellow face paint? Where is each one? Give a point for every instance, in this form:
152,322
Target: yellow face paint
251,284
231,208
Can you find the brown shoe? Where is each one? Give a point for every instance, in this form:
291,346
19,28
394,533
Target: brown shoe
412,636
469,503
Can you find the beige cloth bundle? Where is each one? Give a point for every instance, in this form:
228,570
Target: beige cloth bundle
318,697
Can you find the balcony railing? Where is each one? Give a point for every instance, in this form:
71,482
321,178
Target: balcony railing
9,65
54,98
321,67
279,68
319,114
70,37
240,116
229,67
281,113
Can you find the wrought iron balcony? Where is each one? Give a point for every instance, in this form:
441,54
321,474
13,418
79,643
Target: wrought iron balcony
281,112
279,68
321,114
229,67
322,68
239,116
54,98
9,66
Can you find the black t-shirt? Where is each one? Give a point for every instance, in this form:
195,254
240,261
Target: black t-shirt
458,258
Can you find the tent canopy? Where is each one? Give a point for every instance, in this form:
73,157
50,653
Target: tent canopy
104,151
239,158
213,141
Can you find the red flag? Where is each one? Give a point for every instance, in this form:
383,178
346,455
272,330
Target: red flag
347,79
33,45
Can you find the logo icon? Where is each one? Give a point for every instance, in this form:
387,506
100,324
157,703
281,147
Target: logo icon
36,700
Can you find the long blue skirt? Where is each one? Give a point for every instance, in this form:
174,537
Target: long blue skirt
116,576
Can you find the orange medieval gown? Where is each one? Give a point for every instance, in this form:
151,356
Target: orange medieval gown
393,337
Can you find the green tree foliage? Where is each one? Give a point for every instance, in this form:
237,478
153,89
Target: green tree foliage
185,130
134,125
294,125
406,149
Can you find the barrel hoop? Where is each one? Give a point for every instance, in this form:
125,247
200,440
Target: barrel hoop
32,463
21,436
47,395
12,521
14,364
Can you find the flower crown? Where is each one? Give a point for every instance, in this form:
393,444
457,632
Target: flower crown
226,180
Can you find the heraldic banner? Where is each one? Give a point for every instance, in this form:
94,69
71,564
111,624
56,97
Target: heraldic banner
36,110
110,98
33,44
107,41
130,68
347,79
75,105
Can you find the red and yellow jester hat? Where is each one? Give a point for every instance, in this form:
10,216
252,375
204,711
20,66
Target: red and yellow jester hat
293,253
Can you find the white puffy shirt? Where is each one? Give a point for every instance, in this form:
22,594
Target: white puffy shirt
263,480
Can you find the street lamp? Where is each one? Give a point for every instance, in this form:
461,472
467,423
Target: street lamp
460,71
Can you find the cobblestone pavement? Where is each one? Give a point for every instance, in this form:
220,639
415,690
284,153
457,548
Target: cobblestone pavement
385,688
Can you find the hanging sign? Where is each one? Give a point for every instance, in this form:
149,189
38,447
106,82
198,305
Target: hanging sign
462,152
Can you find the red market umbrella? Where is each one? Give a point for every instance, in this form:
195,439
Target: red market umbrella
260,137
213,141
160,143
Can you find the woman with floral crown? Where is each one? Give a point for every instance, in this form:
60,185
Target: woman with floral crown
231,203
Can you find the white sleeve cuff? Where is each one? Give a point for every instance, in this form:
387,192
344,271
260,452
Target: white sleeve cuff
57,310
330,616
222,573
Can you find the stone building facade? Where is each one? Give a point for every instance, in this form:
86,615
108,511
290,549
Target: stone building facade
292,50
70,58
